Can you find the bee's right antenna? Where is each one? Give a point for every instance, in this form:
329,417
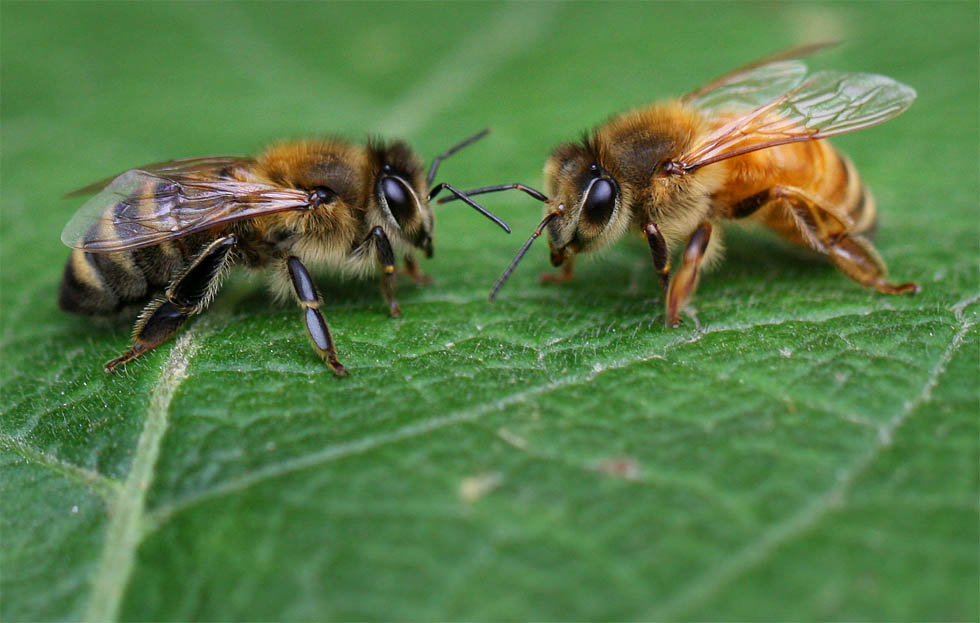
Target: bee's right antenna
520,254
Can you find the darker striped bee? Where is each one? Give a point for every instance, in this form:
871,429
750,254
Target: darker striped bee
163,235
745,145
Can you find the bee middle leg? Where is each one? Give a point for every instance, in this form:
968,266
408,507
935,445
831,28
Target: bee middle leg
414,272
683,284
316,325
189,294
564,275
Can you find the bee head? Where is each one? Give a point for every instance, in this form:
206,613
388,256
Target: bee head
400,195
591,201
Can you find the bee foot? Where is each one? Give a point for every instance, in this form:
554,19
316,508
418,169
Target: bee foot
126,357
901,288
419,278
554,278
675,322
338,369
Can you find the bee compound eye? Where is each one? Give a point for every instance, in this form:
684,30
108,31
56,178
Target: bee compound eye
397,197
600,201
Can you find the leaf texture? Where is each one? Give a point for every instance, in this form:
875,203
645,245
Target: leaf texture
808,451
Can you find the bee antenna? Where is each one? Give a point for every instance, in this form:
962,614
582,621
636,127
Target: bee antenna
449,152
537,194
458,194
520,254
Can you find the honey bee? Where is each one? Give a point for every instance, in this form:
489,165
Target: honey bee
747,144
163,235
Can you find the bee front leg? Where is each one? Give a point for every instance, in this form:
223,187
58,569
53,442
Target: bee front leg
660,254
386,257
684,283
189,294
316,326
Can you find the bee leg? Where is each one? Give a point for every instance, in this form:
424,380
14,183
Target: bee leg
813,223
157,323
686,280
189,294
660,254
564,276
857,258
387,259
414,272
316,326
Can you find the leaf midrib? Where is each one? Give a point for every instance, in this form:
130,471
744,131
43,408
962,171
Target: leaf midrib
127,509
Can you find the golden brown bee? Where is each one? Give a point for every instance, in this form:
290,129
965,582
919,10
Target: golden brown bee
162,235
746,144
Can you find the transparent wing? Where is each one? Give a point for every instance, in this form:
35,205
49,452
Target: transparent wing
826,104
140,208
750,89
202,166
755,84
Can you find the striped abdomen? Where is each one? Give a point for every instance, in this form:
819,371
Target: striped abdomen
814,167
103,283
839,183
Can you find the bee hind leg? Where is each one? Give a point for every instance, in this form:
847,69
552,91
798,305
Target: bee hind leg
157,323
189,294
857,258
316,325
683,284
811,222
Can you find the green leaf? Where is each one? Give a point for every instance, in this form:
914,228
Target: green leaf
809,452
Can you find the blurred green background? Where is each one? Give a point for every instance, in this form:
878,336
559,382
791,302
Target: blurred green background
811,452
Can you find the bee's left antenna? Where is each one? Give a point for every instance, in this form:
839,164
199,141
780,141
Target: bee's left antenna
449,152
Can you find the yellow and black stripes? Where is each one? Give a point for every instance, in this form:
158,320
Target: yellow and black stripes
189,294
104,283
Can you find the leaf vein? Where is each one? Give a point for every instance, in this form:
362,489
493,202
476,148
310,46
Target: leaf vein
704,587
369,443
103,486
126,512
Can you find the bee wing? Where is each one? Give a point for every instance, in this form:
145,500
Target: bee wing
185,166
826,104
749,89
755,84
140,208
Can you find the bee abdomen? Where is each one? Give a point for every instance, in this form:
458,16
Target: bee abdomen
858,202
103,283
83,287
